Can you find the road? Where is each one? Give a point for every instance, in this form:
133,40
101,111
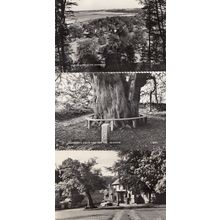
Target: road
113,214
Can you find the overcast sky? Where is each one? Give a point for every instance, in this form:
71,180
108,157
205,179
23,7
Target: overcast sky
106,4
104,158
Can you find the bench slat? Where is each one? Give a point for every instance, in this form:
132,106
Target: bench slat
116,119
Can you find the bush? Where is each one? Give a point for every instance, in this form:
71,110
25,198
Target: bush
75,31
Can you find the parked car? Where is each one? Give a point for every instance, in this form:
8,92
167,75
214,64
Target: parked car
106,203
66,204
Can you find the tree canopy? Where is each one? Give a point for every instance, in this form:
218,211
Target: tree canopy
154,15
62,56
143,170
82,176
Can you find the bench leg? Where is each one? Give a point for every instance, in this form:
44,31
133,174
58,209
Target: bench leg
134,123
89,124
112,125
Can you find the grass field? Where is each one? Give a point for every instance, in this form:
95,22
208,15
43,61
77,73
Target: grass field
153,134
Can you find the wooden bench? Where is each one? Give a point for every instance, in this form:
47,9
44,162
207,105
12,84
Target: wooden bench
134,120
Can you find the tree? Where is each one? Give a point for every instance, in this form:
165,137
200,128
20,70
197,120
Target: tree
62,59
142,170
115,95
154,14
152,171
57,176
73,94
83,177
125,167
118,95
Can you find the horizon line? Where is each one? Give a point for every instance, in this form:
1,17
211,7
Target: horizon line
103,9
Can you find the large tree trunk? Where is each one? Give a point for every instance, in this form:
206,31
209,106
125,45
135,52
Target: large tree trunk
117,95
150,200
90,203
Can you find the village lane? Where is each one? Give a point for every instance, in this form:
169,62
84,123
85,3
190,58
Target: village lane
113,214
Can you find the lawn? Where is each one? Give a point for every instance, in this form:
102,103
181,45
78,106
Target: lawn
153,134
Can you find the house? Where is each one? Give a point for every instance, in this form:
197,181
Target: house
117,193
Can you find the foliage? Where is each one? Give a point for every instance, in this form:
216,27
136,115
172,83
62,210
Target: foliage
146,31
161,89
73,94
142,170
161,186
111,25
87,52
125,167
57,176
62,59
82,176
116,36
152,170
154,15
75,31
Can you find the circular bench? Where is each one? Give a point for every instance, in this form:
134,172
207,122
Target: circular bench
134,120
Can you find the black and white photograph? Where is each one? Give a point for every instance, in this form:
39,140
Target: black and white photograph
110,184
110,109
120,99
110,74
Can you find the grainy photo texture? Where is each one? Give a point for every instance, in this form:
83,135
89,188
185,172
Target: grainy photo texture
110,116
110,74
110,185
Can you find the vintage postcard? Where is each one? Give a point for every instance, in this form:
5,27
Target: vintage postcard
110,116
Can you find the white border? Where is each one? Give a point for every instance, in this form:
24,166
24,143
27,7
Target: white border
27,109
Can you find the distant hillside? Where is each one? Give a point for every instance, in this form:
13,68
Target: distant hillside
127,10
85,16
